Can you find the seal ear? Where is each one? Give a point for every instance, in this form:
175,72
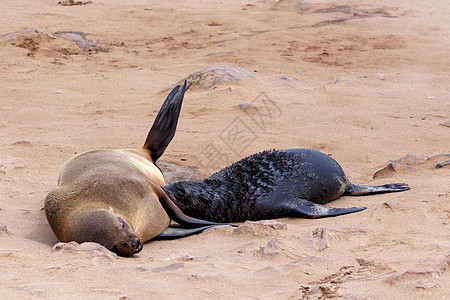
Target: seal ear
165,123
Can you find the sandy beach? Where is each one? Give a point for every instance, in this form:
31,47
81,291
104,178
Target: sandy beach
366,82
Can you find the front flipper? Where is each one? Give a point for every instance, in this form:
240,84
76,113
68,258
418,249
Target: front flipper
308,209
281,205
165,123
178,216
359,189
171,233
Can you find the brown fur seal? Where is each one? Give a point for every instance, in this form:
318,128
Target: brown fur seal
272,184
114,197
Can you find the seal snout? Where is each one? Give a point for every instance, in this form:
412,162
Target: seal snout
129,247
137,245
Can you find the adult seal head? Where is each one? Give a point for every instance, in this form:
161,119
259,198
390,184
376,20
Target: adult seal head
114,197
272,184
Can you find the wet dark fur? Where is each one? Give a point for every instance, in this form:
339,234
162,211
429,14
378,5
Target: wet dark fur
272,184
232,194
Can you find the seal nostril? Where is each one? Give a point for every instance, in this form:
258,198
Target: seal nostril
136,244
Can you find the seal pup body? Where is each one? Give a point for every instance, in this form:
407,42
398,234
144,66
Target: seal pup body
114,197
272,184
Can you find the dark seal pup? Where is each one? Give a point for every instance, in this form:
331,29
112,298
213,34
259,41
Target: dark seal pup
114,197
272,184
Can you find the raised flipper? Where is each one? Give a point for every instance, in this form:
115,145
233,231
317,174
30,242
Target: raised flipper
165,124
177,215
171,233
359,189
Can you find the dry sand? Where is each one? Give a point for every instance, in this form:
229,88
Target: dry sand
364,81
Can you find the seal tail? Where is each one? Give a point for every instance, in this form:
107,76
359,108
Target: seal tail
359,189
165,124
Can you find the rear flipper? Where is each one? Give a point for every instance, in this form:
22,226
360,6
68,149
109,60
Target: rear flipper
171,233
359,190
165,124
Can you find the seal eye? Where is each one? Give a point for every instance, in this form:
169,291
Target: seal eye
122,223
